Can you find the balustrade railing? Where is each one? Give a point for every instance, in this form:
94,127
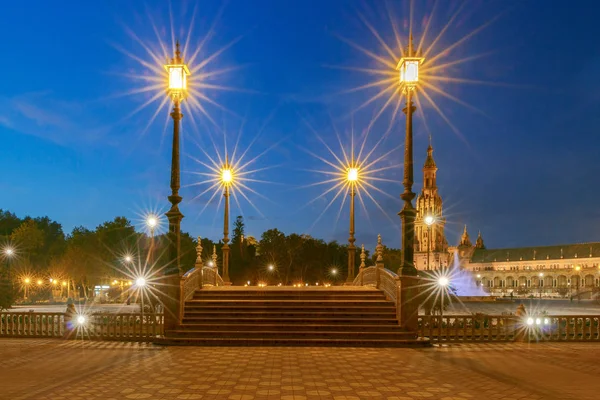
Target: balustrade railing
31,324
122,326
96,326
452,328
494,328
383,279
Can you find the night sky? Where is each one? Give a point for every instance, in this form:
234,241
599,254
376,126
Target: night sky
525,171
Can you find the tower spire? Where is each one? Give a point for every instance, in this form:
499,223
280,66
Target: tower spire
465,240
479,242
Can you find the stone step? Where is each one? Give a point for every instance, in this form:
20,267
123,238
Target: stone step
306,342
244,306
324,326
220,320
289,303
293,334
325,314
291,296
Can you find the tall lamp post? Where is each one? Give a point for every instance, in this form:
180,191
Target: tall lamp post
443,283
352,179
151,223
26,283
178,74
429,221
9,252
226,181
409,77
578,269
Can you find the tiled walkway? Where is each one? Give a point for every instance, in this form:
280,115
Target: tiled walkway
53,369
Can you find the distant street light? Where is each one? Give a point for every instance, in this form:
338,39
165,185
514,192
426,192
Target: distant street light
429,221
9,253
443,283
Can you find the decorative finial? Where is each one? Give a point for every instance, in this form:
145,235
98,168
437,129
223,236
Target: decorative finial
363,256
199,251
178,59
214,256
379,249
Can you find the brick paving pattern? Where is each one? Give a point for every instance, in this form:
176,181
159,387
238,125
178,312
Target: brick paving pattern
57,370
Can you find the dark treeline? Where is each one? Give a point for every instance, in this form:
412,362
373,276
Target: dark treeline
86,258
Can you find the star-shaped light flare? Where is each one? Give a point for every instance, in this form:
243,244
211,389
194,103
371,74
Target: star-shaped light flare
152,78
438,63
352,169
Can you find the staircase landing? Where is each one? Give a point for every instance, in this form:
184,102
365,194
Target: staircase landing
290,316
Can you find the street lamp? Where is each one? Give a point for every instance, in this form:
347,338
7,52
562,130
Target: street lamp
226,181
578,269
9,252
352,176
151,223
26,283
429,220
443,283
140,284
409,78
178,74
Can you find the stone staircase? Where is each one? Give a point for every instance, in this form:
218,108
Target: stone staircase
286,316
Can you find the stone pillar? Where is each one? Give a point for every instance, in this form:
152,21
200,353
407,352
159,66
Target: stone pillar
408,304
361,268
379,262
214,259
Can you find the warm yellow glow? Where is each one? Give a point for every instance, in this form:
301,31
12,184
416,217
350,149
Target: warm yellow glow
409,71
27,280
64,283
577,268
352,174
9,251
178,74
443,281
226,176
39,282
334,271
152,221
271,268
429,220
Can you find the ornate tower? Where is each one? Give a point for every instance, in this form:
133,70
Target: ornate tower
430,238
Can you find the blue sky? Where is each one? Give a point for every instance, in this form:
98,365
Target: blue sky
524,172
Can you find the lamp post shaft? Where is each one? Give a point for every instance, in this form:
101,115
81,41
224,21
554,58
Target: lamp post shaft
351,239
408,213
172,272
174,215
226,238
428,245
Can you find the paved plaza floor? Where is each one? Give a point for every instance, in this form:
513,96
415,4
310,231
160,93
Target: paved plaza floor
54,369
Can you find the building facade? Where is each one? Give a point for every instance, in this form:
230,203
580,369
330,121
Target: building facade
556,271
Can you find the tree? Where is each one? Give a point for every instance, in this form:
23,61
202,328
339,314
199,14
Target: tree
8,223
